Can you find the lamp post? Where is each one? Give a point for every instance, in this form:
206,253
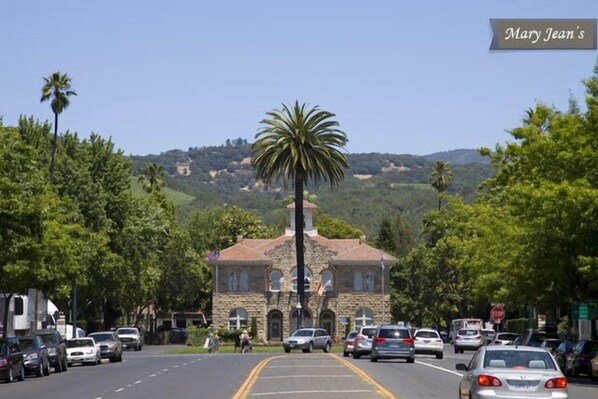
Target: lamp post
383,299
298,307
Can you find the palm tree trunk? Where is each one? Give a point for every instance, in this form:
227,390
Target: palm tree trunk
439,201
54,143
299,246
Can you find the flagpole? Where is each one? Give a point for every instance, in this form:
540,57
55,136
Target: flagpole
383,301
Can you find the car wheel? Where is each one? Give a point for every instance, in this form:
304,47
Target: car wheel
21,376
356,355
439,355
345,354
411,360
373,359
456,350
40,370
58,366
574,372
327,347
10,376
136,349
47,368
64,365
287,350
310,348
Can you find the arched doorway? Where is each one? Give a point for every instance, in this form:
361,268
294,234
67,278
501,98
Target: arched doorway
327,322
275,325
307,320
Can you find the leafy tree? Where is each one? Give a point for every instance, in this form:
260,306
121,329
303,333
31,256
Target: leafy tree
441,178
152,178
295,145
386,239
58,88
331,227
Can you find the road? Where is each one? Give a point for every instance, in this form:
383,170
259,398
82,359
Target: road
149,374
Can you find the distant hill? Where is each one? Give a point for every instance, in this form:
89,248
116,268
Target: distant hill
375,186
458,157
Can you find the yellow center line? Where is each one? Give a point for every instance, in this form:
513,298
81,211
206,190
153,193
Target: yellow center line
380,390
243,392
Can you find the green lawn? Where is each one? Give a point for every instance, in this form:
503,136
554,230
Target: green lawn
227,348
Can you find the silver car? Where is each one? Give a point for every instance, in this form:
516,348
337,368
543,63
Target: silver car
362,344
468,338
393,342
512,372
308,339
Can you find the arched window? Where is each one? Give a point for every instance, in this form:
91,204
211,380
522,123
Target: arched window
327,283
237,319
357,281
275,281
308,279
243,282
363,317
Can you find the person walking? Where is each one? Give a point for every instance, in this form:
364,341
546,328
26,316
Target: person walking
245,342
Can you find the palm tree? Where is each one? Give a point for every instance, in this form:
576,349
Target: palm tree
441,178
298,144
151,178
57,87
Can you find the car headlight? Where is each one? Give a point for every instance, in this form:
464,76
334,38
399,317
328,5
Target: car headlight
31,356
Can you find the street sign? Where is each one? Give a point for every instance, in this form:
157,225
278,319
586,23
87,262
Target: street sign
584,311
497,314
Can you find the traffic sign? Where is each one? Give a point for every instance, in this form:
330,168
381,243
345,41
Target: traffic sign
497,314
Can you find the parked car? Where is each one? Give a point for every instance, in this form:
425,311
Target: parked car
561,353
551,344
535,338
11,360
83,350
130,338
428,342
362,344
578,361
468,339
594,365
504,338
56,348
348,345
308,339
488,334
511,371
109,345
391,341
35,354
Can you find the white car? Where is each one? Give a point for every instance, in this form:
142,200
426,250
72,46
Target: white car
428,342
82,350
130,338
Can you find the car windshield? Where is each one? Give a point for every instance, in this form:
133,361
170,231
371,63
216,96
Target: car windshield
101,337
551,343
352,335
469,332
368,332
79,343
426,334
49,339
506,337
519,359
393,333
488,333
303,333
128,331
26,344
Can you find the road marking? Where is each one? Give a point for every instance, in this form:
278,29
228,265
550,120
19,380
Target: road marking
379,388
309,376
184,364
153,375
243,392
308,366
119,390
176,366
313,391
138,381
165,370
440,368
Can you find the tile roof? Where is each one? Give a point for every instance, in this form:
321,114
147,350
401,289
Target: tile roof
364,252
241,252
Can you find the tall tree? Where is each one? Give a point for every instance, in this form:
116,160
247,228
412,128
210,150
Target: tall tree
295,145
441,178
58,88
152,178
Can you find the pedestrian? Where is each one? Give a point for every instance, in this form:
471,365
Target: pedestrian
245,342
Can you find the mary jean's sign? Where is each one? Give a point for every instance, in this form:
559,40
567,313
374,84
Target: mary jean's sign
543,34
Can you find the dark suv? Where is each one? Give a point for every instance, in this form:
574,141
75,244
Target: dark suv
37,359
11,360
56,348
393,342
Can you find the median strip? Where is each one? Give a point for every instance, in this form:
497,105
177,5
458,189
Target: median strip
379,388
243,392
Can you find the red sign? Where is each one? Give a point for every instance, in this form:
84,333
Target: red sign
497,314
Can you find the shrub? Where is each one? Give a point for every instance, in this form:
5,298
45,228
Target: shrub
196,335
254,328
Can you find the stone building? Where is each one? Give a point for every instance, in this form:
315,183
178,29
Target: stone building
256,278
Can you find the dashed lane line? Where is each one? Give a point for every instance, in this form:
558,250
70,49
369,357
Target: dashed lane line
440,368
119,390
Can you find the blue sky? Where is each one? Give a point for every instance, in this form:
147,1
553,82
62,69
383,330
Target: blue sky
402,76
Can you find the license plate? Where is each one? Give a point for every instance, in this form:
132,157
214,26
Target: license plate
426,341
292,345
